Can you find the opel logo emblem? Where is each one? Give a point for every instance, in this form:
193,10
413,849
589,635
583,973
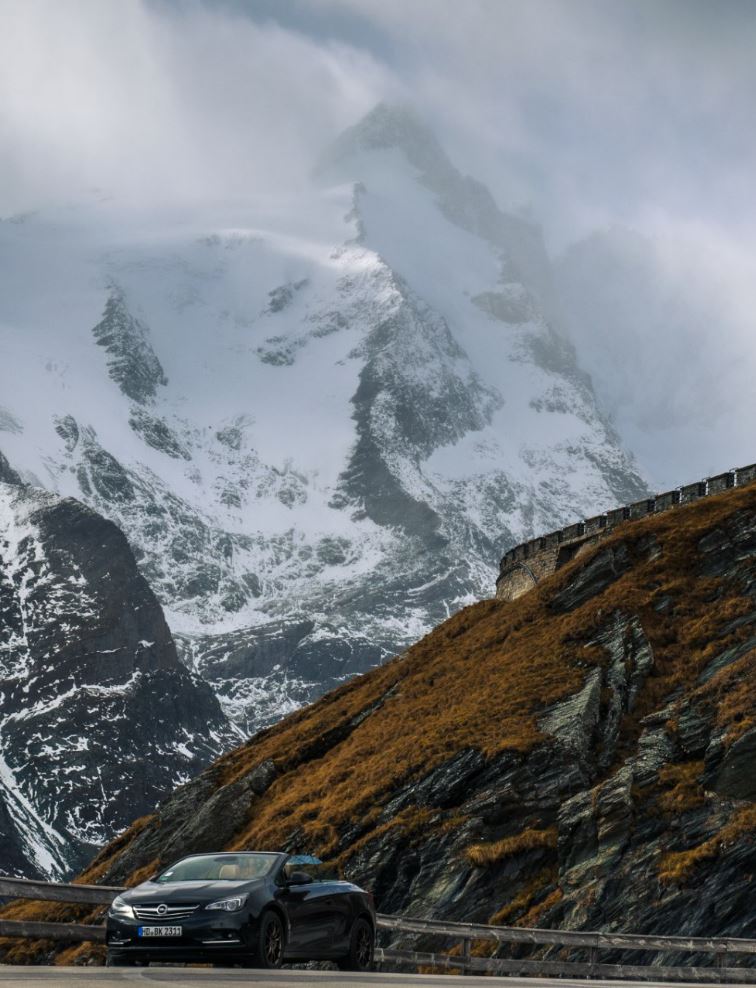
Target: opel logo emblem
162,909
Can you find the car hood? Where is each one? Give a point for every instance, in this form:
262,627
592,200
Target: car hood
150,892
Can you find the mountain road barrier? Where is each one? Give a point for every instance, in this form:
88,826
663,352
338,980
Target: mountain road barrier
724,950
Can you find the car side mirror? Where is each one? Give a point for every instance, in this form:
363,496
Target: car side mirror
299,878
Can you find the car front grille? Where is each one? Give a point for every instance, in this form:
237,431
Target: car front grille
164,914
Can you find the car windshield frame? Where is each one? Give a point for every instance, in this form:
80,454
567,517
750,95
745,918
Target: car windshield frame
207,867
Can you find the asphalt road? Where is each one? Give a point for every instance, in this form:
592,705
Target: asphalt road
154,977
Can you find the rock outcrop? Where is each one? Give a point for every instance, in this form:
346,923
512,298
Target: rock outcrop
7,474
132,363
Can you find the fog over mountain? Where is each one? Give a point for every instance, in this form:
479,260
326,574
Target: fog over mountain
585,116
665,328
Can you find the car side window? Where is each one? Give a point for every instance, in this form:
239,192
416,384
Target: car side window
317,870
289,870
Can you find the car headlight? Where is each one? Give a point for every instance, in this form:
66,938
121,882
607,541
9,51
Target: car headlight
230,905
120,907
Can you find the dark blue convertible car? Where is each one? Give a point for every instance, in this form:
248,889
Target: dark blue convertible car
252,908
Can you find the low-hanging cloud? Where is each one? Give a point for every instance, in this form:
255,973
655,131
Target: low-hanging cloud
593,109
160,103
589,112
664,324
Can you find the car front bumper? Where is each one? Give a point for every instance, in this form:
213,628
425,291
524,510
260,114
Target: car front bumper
231,935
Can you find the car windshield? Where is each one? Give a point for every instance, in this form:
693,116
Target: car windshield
218,868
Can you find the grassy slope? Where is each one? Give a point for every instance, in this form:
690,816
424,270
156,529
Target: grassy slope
481,680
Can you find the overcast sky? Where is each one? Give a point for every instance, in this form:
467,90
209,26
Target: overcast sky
586,113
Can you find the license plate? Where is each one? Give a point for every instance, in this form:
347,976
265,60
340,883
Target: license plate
160,931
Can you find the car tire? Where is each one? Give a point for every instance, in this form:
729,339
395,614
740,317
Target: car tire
270,941
361,944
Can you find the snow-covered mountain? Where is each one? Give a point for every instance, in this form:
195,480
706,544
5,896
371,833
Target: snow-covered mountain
98,718
319,422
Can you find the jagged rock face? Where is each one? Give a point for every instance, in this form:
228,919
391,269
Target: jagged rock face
585,768
97,715
7,474
319,433
132,363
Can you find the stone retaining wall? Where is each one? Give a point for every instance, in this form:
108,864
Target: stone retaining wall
528,563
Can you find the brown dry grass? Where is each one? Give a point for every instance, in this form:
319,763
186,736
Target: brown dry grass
537,888
533,916
485,855
682,787
28,951
679,866
733,694
81,953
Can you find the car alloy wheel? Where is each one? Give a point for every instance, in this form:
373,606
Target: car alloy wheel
360,956
271,941
363,947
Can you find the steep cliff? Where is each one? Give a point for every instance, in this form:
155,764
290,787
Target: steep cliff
98,718
583,757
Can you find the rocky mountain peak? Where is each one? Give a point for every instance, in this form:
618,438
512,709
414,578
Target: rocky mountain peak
463,200
392,126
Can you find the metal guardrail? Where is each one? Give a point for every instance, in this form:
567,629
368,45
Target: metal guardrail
23,888
69,932
568,938
90,895
723,948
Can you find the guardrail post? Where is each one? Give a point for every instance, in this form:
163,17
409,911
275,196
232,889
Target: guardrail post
721,961
592,960
466,945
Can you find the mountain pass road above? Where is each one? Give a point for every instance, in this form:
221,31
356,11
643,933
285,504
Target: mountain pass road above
92,977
